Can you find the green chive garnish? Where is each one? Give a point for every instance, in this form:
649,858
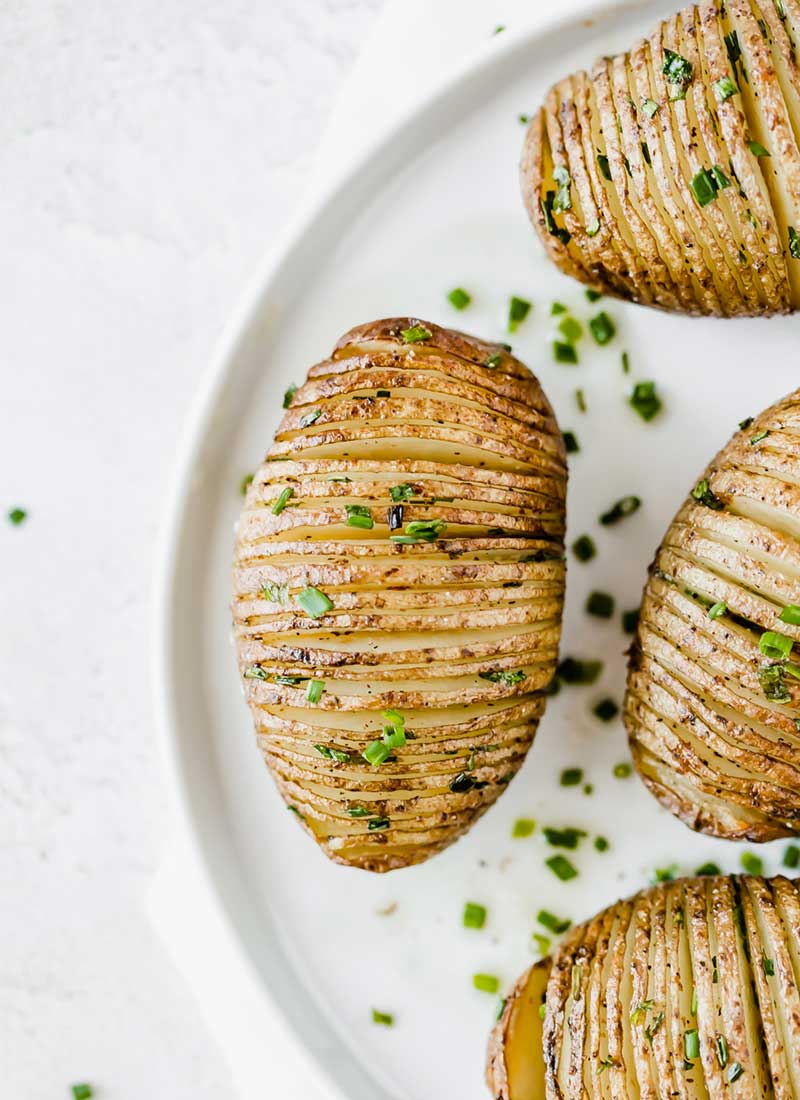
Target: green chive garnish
626,367
722,1051
592,295
752,864
494,360
553,923
333,754
649,107
775,646
691,1043
314,690
768,965
791,857
543,943
757,149
603,328
600,604
630,620
571,443
571,777
605,168
377,824
359,516
310,418
82,1092
384,1018
570,329
282,500
244,485
794,243
574,671
601,844
665,874
568,837
420,531
584,548
313,602
771,678
703,493
474,915
509,677
557,308
376,753
523,826
678,72
291,390
416,334
717,609
645,400
19,515
255,672
562,200
790,614
593,227
561,868
580,400
735,1072
459,298
402,492
564,353
605,710
486,983
623,770
620,510
518,310
758,437
708,869
724,88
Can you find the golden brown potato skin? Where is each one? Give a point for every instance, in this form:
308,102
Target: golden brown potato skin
712,721
689,989
453,626
670,175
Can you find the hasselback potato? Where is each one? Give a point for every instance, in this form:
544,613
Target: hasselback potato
398,587
690,989
712,706
670,175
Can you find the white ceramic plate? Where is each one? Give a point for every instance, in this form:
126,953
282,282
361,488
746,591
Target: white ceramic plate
433,206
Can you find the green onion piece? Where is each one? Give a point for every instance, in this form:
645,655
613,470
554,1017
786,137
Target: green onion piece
584,548
645,400
775,646
768,965
790,614
313,602
626,365
401,492
694,998
600,604
771,678
523,119
580,400
574,671
276,593
735,1072
568,837
757,149
733,48
287,681
570,329
282,500
310,418
641,1010
376,753
752,864
703,493
314,690
384,1018
704,187
82,1092
474,915
542,1011
394,737
383,393
376,824
592,295
501,1007
358,811
518,310
561,868
605,710
758,437
543,943
564,353
717,609
494,360
708,869
523,826
359,516
498,29
630,620
602,161
791,857
291,390
601,844
665,874
620,510
719,177
593,227
554,230
679,73
603,328
486,983
691,1043
420,531
416,334
510,677
556,308
649,107
562,200
571,443
724,88
333,754
552,923
571,777
794,243
18,515
748,420
459,298
255,672
623,770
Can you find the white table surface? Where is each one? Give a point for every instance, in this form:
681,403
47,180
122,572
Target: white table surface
150,153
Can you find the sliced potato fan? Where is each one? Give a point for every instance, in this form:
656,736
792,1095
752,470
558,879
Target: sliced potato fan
690,989
398,586
670,175
712,706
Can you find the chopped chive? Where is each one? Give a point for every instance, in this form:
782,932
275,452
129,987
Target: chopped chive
571,443
691,1043
593,227
314,690
486,983
554,230
464,782
771,678
386,1019
501,1007
724,88
474,915
592,295
708,869
743,424
282,500
377,824
574,671
626,363
645,400
600,604
775,646
401,492
704,187
543,943
601,844
580,400
333,754
523,826
542,1011
641,1010
255,672
717,609
603,165
276,593
790,614
735,1072
82,1092
602,328
291,390
394,737
499,29
630,620
794,243
510,677
313,602
310,418
571,777
622,770
459,298
523,119
553,923
758,437
564,353
562,200
494,360
287,681
620,510
605,710
518,310
703,493
733,48
694,992
358,811
791,857
649,107
416,334
570,329
665,874
679,73
383,393
420,531
561,868
376,753
757,149
568,837
768,965
556,308
752,864
719,177
359,516
584,548
17,515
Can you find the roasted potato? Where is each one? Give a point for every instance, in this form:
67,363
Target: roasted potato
690,989
398,587
712,706
670,175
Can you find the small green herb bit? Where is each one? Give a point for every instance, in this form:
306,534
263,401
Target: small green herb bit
556,308
283,499
600,604
593,227
622,770
605,168
568,837
509,677
735,1072
494,360
593,295
708,869
768,965
518,310
752,864
771,678
570,329
562,200
605,710
645,400
420,531
724,88
704,187
601,844
359,516
626,363
474,915
376,824
310,418
313,602
486,983
758,437
523,827
791,857
244,485
523,119
571,443
564,353
775,646
459,298
400,493
790,614
580,400
722,1051
561,868
571,777
291,390
584,548
543,943
376,753
18,516
717,609
649,107
665,874
703,494
314,690
620,510
82,1092
794,243
416,334
679,73
552,923
574,671
386,1019
603,328
630,620
691,1043
757,149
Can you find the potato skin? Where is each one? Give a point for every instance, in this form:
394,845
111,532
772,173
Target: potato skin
684,990
643,176
713,722
416,489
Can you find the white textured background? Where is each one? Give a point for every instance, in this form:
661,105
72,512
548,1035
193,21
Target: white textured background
149,152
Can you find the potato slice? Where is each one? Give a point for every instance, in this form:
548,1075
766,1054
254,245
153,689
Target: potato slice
398,588
712,709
